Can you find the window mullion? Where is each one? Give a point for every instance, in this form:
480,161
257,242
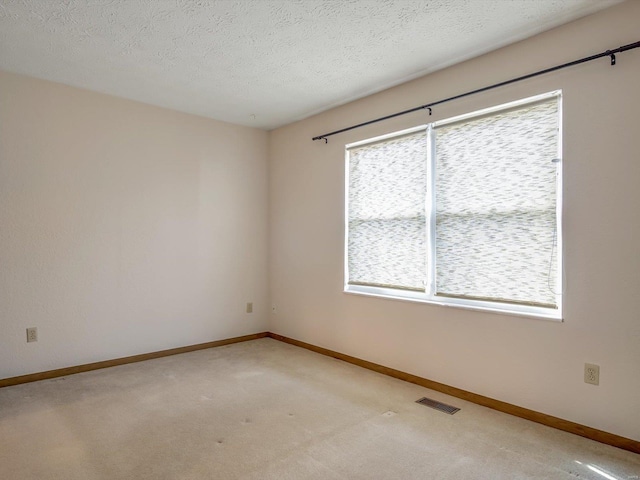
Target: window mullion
430,208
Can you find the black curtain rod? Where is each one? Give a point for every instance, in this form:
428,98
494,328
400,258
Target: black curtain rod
608,53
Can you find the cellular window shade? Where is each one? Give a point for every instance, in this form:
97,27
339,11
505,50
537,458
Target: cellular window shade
495,206
386,243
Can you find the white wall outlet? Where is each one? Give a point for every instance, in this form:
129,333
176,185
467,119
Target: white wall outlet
273,308
250,307
591,374
32,334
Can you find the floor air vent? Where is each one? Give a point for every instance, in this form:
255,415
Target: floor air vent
443,407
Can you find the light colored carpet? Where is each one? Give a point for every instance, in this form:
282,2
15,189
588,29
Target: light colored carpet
267,410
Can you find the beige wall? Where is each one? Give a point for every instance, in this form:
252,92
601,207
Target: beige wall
124,228
537,364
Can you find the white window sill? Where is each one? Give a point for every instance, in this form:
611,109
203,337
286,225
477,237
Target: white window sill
417,297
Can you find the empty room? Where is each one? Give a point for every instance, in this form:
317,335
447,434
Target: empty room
319,239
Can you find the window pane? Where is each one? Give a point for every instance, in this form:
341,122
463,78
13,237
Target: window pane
496,206
386,217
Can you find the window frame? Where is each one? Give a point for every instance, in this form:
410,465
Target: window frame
428,296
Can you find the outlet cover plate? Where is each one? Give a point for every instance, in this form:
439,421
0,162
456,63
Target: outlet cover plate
32,334
592,374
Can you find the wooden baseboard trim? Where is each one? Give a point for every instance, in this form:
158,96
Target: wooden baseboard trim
62,372
544,419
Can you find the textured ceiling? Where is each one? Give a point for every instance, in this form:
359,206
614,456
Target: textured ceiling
262,63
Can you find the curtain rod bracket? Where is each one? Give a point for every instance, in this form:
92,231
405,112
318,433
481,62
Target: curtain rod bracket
613,57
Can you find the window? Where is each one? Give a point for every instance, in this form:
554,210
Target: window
463,211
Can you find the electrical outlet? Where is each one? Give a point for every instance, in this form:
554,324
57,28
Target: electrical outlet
591,374
250,307
273,308
32,334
